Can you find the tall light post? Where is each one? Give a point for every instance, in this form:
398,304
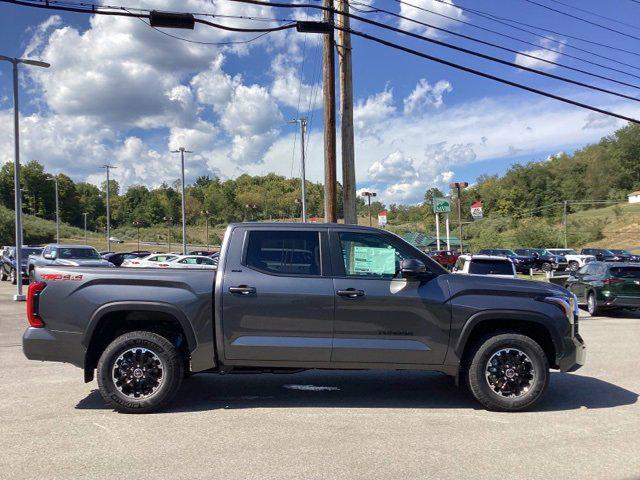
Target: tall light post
182,151
169,220
54,179
303,187
19,296
108,167
459,186
369,195
84,214
138,224
206,214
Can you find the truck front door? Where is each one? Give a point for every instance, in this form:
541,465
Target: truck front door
278,298
379,317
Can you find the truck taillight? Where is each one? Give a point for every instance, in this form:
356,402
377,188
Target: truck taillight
33,304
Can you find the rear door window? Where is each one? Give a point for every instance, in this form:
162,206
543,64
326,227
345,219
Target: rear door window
288,253
625,272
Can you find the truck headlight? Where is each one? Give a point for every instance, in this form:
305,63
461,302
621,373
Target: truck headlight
568,305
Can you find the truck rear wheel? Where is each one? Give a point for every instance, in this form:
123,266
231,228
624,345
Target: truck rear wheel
508,372
139,372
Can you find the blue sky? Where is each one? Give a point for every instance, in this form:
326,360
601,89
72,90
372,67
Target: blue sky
122,93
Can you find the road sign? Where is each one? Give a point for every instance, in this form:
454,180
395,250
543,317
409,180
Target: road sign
441,205
382,218
476,210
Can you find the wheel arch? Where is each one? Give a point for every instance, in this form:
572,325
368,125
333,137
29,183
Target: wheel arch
114,319
535,325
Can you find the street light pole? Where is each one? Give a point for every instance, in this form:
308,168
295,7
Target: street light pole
19,296
168,220
182,151
459,186
369,195
303,181
107,167
206,214
54,179
85,227
137,225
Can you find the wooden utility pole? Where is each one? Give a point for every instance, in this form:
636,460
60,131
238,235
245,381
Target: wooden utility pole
329,95
346,117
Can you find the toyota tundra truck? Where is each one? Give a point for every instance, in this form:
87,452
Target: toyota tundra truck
289,297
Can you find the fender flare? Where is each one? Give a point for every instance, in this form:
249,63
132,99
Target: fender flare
144,306
499,314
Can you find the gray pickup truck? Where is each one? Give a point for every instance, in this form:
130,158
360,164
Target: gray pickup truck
288,297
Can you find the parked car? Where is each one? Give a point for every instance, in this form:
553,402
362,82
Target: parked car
66,255
602,254
574,259
491,265
626,255
522,263
446,258
206,253
605,286
292,296
115,240
153,260
542,259
8,268
193,262
118,257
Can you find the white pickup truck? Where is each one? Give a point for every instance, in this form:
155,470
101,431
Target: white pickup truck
574,259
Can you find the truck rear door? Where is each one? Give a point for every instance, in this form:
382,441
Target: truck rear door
277,297
380,318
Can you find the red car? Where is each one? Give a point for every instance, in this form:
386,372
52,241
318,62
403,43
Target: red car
446,258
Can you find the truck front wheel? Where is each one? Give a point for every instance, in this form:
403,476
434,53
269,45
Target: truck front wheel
508,372
139,372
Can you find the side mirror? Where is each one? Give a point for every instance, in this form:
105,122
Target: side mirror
412,267
49,256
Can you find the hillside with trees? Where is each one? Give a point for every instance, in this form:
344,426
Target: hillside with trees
523,206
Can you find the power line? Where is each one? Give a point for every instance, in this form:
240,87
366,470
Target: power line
494,17
490,76
635,27
483,42
582,19
504,21
99,10
449,45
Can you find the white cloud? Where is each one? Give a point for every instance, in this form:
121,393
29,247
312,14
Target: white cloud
376,108
289,89
420,14
548,55
426,95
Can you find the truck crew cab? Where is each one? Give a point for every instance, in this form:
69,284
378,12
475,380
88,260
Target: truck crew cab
302,296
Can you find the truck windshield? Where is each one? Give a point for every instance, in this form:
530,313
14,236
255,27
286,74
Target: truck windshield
490,267
79,253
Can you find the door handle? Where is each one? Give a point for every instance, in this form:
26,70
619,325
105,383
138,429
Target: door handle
350,293
243,290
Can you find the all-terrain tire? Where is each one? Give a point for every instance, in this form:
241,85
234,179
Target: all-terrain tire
536,366
124,360
574,266
13,277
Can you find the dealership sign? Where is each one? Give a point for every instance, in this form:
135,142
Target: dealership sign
476,210
441,205
382,218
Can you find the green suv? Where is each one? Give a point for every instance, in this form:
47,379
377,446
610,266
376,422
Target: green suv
605,286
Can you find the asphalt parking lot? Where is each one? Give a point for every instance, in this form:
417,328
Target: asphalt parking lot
323,425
